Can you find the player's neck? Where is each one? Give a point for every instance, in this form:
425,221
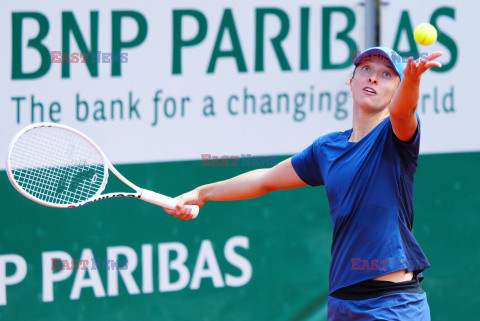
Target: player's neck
364,122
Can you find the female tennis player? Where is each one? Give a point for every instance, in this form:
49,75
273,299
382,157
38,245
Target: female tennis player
368,174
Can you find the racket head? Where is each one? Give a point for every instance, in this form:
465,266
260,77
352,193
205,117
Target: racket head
56,165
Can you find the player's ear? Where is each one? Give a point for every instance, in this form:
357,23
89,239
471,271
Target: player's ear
352,76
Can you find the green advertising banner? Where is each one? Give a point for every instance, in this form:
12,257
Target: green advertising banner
123,259
260,259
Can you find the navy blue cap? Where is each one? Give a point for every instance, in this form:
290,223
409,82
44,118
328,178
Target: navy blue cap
390,54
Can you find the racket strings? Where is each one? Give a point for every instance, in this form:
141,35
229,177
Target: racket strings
57,166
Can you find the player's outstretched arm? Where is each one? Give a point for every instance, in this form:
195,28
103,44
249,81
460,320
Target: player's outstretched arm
404,103
245,186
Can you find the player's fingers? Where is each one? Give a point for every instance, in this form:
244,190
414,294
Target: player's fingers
409,62
431,64
177,214
416,63
190,213
425,66
190,216
180,203
434,55
420,60
187,215
408,68
181,216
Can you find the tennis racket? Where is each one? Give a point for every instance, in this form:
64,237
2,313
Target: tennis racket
58,166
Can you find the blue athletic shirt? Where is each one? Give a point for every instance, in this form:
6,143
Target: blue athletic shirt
369,186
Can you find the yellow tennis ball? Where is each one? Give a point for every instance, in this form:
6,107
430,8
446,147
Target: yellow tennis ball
425,34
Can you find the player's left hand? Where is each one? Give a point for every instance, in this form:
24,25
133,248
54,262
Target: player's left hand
415,68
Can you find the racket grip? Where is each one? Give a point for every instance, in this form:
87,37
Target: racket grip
165,201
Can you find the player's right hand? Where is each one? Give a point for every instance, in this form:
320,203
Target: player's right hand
193,197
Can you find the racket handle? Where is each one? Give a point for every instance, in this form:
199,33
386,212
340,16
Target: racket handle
165,201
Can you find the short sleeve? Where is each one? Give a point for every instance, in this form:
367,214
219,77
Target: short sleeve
410,148
306,165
